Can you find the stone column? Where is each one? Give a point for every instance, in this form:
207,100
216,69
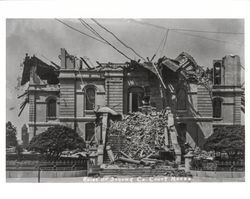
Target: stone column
188,158
104,126
100,153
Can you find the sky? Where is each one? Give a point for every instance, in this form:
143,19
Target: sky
45,37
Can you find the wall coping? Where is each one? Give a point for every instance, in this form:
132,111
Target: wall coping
218,174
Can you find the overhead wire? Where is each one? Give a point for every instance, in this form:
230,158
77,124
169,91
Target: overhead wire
79,31
165,42
103,40
179,30
124,44
182,29
91,29
86,25
159,76
107,42
206,31
160,44
202,37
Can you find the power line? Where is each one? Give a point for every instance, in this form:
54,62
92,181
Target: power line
165,42
107,42
83,23
75,29
118,39
97,34
90,28
86,25
206,31
160,44
217,40
159,76
182,29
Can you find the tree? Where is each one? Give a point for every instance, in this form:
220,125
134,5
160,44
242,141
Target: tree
55,140
11,140
230,139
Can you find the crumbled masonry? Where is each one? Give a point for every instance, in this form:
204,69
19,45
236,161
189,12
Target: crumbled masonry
143,135
42,70
176,98
188,68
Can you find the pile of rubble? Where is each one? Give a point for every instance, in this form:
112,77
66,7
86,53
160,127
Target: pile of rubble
197,153
143,137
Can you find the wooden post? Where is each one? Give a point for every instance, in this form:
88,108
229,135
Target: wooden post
39,173
130,102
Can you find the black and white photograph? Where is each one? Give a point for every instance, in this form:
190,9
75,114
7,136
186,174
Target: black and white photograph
125,100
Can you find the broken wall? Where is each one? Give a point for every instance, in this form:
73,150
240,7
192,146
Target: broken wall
193,131
143,79
232,70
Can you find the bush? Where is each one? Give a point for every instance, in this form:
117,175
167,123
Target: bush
229,139
11,140
55,140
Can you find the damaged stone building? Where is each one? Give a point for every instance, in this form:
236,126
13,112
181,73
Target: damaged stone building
71,94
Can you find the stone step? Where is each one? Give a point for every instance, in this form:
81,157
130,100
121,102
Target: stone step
133,172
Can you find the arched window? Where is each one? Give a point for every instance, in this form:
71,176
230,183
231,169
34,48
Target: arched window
51,109
135,96
217,73
90,98
90,131
217,103
181,99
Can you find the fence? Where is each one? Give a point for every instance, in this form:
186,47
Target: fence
219,165
41,169
46,166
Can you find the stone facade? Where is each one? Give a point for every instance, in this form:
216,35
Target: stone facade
81,91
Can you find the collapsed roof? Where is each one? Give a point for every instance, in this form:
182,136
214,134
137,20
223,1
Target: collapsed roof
183,61
187,67
43,70
110,66
184,64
